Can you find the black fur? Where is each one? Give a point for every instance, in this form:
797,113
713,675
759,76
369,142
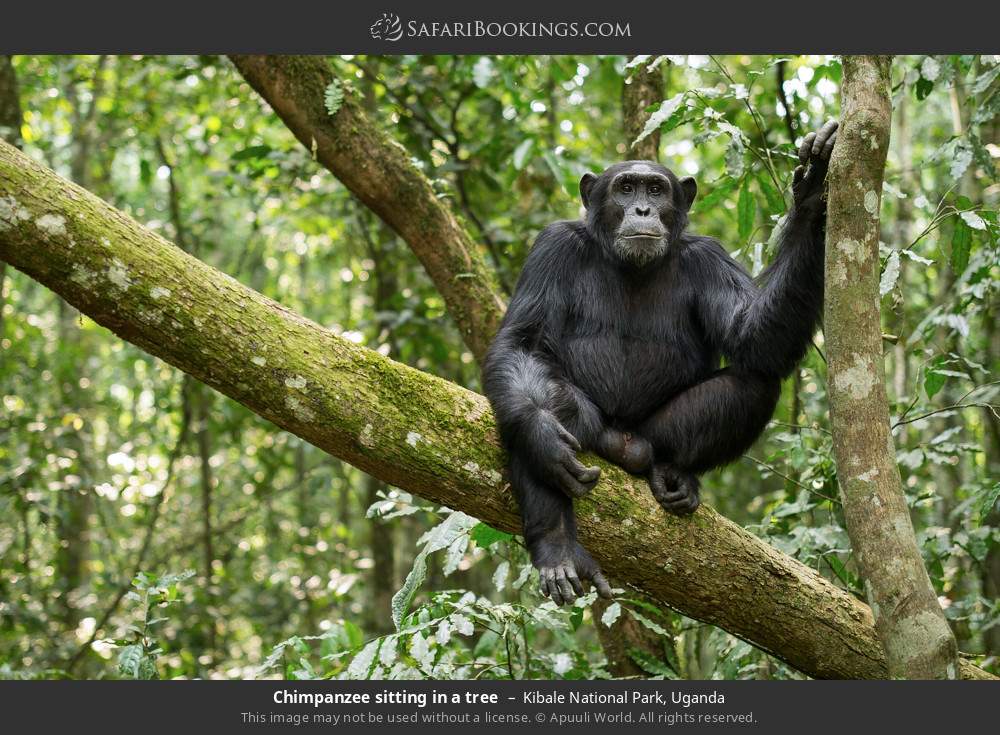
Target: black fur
607,353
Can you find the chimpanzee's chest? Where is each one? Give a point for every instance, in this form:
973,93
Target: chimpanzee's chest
630,345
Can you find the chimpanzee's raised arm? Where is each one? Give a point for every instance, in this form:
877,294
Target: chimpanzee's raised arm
767,329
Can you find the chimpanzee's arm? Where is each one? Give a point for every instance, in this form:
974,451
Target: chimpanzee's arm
767,330
528,395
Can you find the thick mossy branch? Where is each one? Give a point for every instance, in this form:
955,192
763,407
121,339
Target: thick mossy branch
380,173
408,428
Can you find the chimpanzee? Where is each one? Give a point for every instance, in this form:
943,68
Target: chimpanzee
612,344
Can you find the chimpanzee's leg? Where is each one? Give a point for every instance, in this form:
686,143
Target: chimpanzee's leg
550,535
710,424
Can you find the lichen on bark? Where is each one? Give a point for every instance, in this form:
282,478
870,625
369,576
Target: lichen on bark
910,623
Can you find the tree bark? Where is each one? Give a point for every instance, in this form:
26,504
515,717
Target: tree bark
908,619
640,89
379,172
405,427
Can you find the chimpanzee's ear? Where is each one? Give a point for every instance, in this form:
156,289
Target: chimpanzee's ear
586,184
690,188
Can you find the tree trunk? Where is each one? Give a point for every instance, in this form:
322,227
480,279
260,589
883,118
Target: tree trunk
908,619
641,88
410,429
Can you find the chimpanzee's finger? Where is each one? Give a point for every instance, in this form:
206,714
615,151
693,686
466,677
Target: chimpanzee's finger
574,581
806,146
603,588
828,147
822,135
543,582
581,472
569,484
565,588
798,175
569,438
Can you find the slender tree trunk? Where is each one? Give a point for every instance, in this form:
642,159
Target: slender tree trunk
641,88
410,429
910,624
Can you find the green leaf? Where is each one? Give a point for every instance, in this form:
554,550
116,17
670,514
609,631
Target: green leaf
775,202
890,274
522,153
961,244
444,535
988,501
404,596
485,536
254,151
611,614
333,97
746,208
666,112
650,664
721,188
500,575
934,379
973,220
923,88
362,664
655,627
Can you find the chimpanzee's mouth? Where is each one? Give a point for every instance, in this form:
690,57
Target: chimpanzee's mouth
643,236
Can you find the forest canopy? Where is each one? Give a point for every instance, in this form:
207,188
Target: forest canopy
153,527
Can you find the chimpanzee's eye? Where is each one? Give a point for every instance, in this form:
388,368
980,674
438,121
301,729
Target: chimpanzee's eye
627,188
654,190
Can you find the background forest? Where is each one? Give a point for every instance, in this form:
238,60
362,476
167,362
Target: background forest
150,527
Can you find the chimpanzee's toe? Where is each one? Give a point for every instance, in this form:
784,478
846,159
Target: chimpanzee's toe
675,491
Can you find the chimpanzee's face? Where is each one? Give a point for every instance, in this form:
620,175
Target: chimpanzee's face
639,207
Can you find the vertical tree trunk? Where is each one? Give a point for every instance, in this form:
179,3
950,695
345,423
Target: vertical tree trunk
908,620
640,89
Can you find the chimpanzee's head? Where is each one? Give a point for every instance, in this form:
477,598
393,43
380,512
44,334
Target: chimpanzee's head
636,209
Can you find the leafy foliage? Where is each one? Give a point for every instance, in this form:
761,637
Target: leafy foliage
114,469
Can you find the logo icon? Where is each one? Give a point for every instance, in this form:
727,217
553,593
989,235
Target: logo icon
387,28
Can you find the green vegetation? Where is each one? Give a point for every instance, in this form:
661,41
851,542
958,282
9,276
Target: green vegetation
150,527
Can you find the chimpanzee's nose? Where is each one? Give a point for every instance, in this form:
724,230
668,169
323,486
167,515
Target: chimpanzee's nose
642,211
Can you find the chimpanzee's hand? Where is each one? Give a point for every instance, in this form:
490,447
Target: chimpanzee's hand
554,451
563,568
814,159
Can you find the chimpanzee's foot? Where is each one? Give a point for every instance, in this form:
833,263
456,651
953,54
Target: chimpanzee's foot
675,491
563,566
631,452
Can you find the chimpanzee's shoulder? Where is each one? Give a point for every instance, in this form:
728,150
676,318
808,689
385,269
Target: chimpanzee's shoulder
702,248
561,239
702,255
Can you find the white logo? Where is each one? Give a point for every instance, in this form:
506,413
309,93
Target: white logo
387,28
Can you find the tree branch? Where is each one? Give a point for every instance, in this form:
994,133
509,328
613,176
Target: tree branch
413,430
379,172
